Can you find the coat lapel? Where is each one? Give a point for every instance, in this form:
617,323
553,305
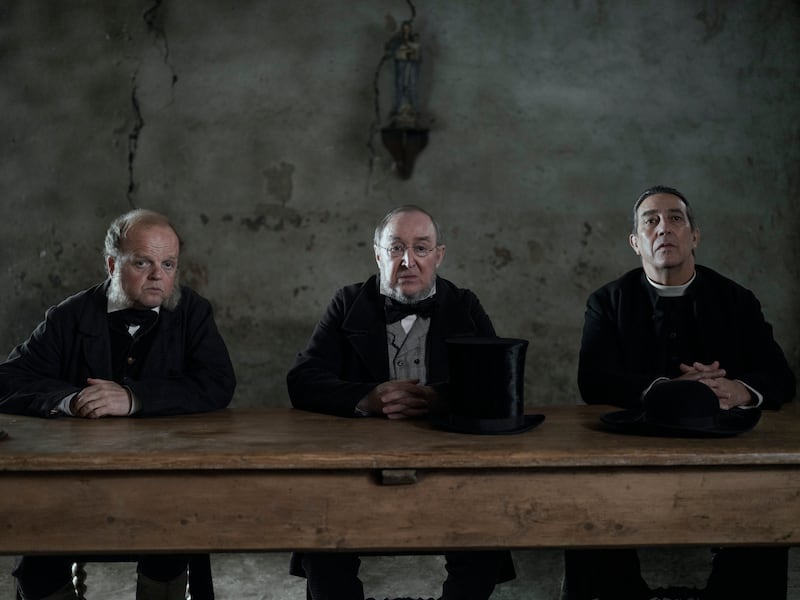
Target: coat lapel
449,321
365,328
95,339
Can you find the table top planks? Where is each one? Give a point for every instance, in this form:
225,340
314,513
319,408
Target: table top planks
285,438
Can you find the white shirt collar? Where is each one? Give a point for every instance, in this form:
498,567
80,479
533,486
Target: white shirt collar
671,291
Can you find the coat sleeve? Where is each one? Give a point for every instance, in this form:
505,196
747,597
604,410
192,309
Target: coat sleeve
618,344
483,324
462,315
324,377
189,370
751,353
608,372
35,377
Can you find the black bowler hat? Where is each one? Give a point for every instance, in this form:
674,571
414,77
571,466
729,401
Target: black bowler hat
682,409
485,392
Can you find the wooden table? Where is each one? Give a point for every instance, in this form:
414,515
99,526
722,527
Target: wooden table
281,479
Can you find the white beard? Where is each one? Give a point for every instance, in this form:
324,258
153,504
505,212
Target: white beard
396,295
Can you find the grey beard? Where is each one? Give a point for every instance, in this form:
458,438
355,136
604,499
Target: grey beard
118,297
395,295
171,303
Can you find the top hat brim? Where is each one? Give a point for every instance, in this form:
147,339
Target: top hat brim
728,423
457,424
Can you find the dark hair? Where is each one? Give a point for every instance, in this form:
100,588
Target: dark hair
407,208
662,189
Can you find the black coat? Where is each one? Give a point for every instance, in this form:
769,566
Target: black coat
186,370
618,357
347,355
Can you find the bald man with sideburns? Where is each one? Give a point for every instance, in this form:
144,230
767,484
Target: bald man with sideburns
136,345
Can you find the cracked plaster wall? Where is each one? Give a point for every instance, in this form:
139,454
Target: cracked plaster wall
248,123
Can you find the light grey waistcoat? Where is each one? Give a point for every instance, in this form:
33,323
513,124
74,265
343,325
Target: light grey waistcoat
407,350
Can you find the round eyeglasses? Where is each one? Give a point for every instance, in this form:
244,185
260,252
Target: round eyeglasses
398,250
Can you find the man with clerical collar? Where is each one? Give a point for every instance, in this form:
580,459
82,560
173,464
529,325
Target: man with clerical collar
673,319
379,351
138,344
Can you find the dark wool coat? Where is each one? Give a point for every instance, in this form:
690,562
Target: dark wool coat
347,355
186,370
619,349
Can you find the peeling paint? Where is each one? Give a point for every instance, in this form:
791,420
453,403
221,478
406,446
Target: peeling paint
279,181
273,218
194,274
535,251
311,243
713,20
502,257
587,232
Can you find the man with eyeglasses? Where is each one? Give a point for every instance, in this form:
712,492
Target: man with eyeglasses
379,351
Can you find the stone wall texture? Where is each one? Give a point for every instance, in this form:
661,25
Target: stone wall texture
254,126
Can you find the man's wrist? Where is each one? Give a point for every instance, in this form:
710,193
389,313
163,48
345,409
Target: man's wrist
755,400
362,408
134,405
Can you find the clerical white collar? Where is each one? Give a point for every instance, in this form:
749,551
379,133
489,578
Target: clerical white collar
671,291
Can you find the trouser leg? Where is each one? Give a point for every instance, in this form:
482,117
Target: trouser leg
748,573
161,577
604,574
333,575
44,577
471,575
201,580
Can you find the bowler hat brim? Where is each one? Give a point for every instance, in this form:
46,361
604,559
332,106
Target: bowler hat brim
682,408
726,423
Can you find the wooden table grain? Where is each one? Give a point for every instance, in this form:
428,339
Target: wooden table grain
282,479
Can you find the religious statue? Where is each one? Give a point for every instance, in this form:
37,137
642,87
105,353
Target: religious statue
404,49
406,133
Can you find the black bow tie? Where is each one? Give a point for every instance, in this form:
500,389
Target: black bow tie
396,311
134,316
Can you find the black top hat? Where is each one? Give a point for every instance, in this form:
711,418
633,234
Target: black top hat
485,392
682,409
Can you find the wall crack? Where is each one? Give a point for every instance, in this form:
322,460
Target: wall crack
151,17
133,138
